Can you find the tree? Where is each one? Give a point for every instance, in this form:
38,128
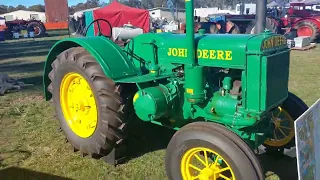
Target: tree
3,9
38,8
93,3
21,7
147,4
132,3
11,9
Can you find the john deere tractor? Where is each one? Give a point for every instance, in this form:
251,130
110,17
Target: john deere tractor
224,94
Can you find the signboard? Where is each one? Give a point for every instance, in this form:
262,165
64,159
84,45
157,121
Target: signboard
307,130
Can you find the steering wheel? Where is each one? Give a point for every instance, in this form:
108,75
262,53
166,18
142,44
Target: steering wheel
99,28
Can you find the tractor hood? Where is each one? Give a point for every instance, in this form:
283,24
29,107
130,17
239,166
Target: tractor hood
218,50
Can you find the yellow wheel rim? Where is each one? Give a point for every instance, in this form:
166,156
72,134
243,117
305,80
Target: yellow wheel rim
78,105
205,164
284,128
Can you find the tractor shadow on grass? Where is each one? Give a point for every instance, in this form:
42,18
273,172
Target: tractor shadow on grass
281,166
146,137
8,170
19,173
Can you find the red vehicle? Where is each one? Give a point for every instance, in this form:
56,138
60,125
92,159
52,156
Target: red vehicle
305,21
297,18
295,21
18,25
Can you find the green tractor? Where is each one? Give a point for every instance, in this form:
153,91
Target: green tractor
225,94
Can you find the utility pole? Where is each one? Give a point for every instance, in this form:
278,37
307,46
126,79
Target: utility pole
177,10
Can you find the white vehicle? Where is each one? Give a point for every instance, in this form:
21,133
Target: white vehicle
248,8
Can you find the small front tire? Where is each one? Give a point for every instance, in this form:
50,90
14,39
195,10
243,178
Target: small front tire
217,151
284,118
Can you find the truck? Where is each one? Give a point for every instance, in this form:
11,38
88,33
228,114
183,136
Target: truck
225,95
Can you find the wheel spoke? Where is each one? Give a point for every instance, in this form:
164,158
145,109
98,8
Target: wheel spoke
284,127
275,117
283,120
282,132
275,135
197,177
206,158
200,160
223,169
215,161
224,177
194,167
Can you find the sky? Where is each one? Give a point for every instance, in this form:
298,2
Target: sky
33,2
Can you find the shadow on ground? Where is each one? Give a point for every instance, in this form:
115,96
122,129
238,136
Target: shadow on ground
19,173
283,166
36,80
10,159
145,137
55,33
22,68
149,137
29,48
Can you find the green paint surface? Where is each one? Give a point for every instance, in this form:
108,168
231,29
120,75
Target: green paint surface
235,80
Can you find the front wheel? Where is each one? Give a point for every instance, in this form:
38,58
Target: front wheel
204,150
283,118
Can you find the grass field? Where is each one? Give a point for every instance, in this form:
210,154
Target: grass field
31,145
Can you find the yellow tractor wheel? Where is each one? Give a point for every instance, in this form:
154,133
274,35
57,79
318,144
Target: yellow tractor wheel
91,108
205,150
283,117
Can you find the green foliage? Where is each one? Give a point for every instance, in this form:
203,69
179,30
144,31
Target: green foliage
7,9
38,8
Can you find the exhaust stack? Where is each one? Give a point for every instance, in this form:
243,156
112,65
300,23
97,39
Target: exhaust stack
190,32
261,14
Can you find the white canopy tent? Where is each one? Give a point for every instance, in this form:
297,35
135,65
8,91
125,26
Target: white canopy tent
273,4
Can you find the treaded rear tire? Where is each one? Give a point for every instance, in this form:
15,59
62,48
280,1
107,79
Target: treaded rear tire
112,103
41,27
311,25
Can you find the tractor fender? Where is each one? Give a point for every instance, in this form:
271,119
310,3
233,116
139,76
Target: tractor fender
112,59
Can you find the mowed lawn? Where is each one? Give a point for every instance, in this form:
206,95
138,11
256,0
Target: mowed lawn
31,145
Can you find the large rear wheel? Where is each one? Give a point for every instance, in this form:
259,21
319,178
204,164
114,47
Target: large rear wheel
204,150
90,107
38,27
283,118
308,28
